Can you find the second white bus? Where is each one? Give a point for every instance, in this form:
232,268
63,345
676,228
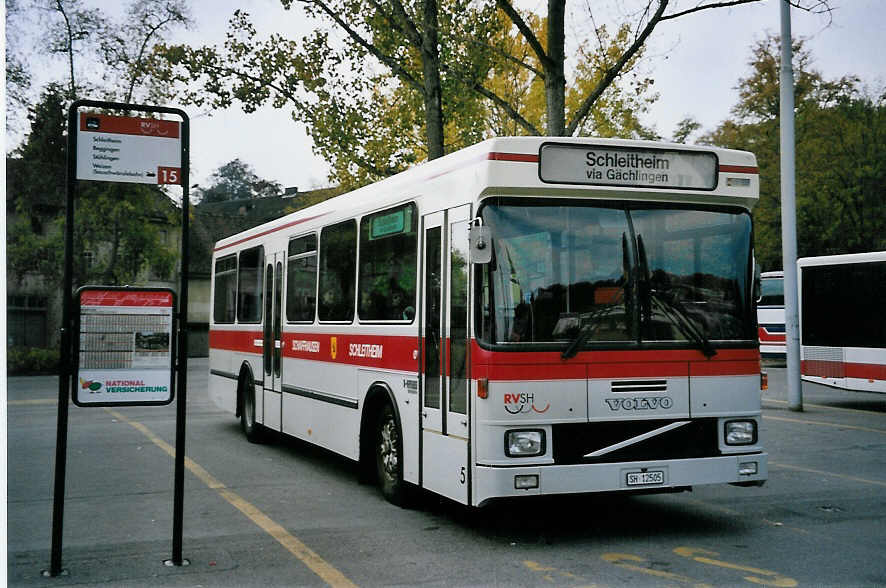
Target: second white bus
770,316
843,320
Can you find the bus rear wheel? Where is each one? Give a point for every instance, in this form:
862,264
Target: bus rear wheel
389,457
251,429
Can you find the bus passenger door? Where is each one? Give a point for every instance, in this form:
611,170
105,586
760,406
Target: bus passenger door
273,342
458,349
444,419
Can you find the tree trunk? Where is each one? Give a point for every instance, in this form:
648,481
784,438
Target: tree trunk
433,91
555,76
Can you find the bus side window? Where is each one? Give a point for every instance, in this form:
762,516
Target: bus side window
388,261
301,279
338,261
225,277
249,285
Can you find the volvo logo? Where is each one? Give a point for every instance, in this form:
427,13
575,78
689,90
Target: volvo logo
641,403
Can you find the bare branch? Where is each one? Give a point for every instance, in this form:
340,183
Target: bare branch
616,69
389,61
816,7
172,16
503,104
507,57
527,33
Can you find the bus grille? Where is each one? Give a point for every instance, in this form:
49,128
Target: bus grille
639,386
571,442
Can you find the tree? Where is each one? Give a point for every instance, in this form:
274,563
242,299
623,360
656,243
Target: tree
840,156
365,102
550,56
74,28
122,234
18,77
122,225
115,52
236,180
127,46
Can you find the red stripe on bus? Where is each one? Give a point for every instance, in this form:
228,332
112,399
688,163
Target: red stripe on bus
739,169
403,353
387,352
242,341
842,369
269,231
538,366
520,157
767,337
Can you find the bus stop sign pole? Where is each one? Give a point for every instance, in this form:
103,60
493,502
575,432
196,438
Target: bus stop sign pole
66,362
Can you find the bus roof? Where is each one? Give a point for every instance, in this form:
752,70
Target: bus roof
552,167
842,259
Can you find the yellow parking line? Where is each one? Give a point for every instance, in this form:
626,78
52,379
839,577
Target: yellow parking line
824,473
824,424
635,563
770,578
314,562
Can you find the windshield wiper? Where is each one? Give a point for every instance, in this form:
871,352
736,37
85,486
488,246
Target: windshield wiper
586,330
678,316
671,309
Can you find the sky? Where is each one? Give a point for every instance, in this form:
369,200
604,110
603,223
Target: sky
696,62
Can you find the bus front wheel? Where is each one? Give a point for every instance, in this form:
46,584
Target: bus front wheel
389,456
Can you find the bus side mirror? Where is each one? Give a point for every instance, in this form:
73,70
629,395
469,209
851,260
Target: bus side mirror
480,239
758,287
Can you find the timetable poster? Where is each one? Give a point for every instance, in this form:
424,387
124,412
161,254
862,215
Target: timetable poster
125,347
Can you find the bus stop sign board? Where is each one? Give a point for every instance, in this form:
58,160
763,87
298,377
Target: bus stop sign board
125,346
128,149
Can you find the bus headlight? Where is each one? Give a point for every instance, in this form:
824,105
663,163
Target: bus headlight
526,443
741,432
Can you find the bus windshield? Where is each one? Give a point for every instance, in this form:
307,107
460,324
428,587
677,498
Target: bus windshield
772,292
592,274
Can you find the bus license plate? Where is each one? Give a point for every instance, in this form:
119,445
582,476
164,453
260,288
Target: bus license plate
645,478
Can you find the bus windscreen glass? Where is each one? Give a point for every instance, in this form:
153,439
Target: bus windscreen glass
616,275
842,305
772,292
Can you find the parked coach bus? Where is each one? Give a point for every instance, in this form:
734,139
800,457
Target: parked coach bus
770,316
525,316
843,320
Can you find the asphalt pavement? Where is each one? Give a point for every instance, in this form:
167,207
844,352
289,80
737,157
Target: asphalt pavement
286,514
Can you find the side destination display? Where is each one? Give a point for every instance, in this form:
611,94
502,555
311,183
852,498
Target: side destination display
625,166
124,348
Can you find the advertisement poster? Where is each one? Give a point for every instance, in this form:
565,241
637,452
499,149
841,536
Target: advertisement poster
125,347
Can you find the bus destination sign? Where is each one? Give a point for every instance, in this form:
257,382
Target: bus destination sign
626,166
128,149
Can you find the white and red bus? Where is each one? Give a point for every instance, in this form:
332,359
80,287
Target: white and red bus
770,316
843,320
525,316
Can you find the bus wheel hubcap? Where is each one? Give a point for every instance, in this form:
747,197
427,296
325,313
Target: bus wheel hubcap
388,448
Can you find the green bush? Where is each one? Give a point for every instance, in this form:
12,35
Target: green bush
31,360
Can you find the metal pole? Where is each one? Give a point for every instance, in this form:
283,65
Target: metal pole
64,361
181,406
789,213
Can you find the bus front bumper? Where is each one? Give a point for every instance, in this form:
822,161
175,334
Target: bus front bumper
650,476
